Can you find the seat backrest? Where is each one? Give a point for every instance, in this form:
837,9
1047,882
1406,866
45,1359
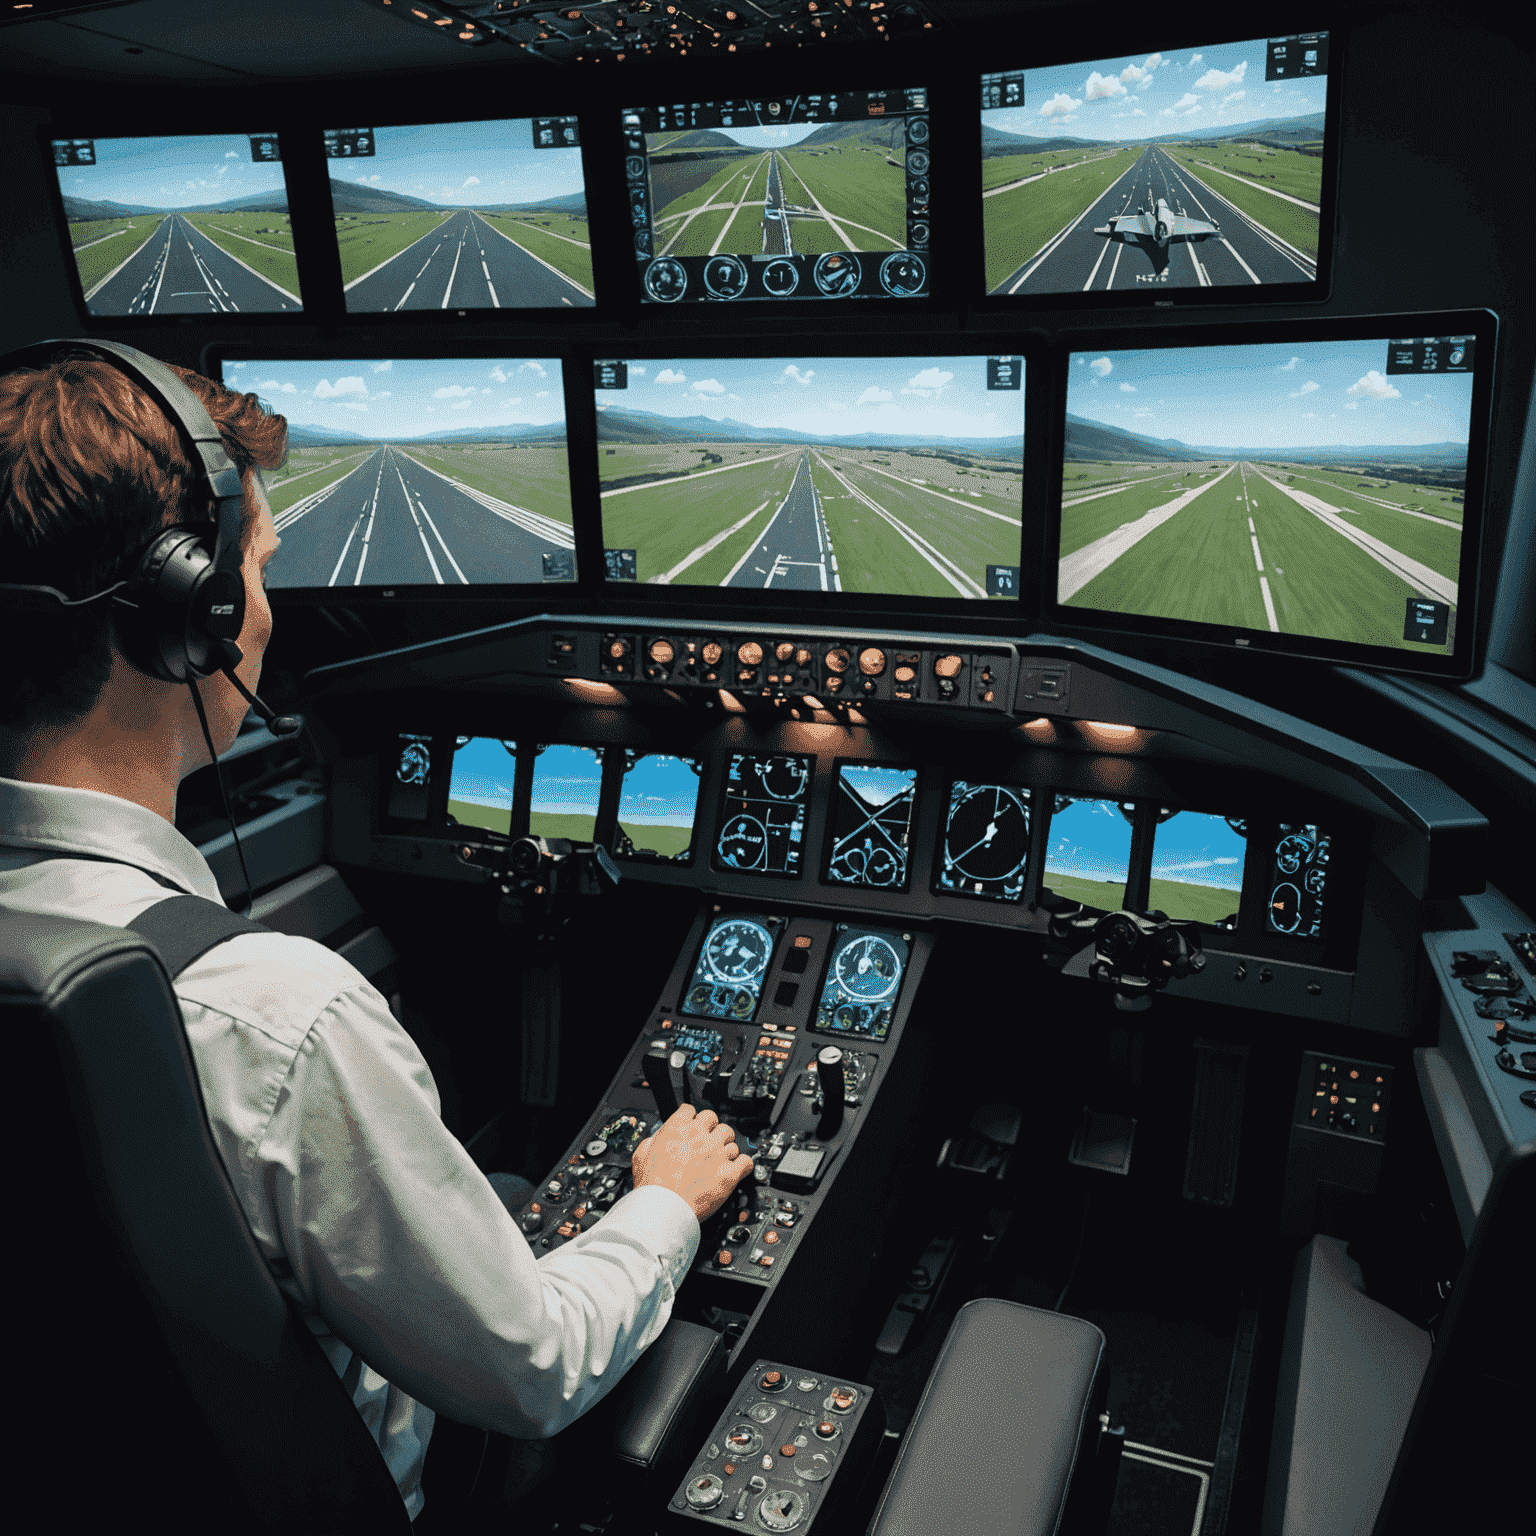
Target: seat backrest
124,1190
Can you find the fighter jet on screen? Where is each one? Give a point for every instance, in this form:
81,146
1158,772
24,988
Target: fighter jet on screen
1153,232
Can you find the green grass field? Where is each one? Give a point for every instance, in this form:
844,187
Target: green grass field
666,841
1090,520
1296,226
554,824
1092,893
309,470
492,818
1437,501
622,460
549,237
999,170
1188,902
678,236
1286,170
535,478
263,241
99,249
1016,224
369,240
865,190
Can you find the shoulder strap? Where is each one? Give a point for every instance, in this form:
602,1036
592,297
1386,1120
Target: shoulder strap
185,928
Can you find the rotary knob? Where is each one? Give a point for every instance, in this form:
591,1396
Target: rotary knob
802,657
837,660
662,651
783,651
872,662
749,654
904,674
712,653
706,1491
948,666
618,649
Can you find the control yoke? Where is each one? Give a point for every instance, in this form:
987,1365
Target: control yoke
1138,951
544,875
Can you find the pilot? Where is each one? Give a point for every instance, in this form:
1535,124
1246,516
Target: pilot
409,1268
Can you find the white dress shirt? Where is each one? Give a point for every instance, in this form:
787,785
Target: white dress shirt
422,1291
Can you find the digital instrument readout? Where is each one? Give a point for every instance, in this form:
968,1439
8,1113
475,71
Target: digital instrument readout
1298,883
986,841
728,978
863,983
410,782
871,823
762,818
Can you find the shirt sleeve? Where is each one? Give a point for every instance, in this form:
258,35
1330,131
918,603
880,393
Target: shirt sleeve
399,1242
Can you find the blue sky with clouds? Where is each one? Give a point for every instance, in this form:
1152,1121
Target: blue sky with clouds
1090,839
660,790
465,165
400,398
567,781
934,396
1307,394
483,770
1199,849
184,171
1143,95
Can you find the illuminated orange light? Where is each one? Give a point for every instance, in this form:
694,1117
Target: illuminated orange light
732,703
593,693
1108,729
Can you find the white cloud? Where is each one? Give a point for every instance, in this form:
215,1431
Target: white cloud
1141,411
1154,61
873,396
485,391
364,180
543,394
670,376
930,379
1099,87
1133,73
1102,366
383,394
1195,59
1059,105
1309,415
231,154
792,372
639,373
383,367
1129,389
1186,104
355,405
272,387
451,392
325,390
1372,387
1306,389
518,400
1137,112
497,374
1235,96
1289,367
472,181
532,367
1220,80
708,387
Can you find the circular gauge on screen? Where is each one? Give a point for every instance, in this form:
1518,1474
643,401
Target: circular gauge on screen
917,163
780,278
634,167
743,843
868,968
665,280
837,273
415,763
737,951
725,277
1291,853
918,234
903,274
917,130
1316,879
1285,907
783,778
987,839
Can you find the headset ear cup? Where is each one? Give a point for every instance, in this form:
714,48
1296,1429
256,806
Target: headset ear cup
178,608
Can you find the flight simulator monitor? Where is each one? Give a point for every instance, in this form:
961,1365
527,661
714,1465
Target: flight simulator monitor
461,216
1197,169
184,224
432,474
899,476
824,195
1307,495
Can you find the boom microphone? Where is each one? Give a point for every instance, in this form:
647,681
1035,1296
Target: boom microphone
279,725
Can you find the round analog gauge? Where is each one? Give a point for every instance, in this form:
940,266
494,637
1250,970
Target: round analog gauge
988,834
837,660
743,1440
725,277
1285,907
634,167
903,274
712,653
662,651
783,778
917,130
917,163
782,1509
665,280
837,273
415,762
868,968
738,951
1316,879
749,653
780,278
917,189
642,242
783,651
872,662
1291,853
705,1491
919,234
743,843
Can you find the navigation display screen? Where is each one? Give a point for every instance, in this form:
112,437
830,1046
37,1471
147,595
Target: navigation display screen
1308,489
1197,867
818,196
1298,880
192,224
1088,853
986,842
762,817
1197,168
871,821
727,981
437,473
567,786
410,778
863,984
890,475
461,216
481,783
656,808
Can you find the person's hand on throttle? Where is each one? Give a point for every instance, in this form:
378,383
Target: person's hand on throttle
694,1155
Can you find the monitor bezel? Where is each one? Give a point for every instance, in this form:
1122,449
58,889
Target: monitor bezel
1108,627
1317,291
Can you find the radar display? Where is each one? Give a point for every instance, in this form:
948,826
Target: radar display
1298,881
762,818
728,978
986,842
863,984
871,821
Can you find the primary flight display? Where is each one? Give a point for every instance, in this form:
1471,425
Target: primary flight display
892,475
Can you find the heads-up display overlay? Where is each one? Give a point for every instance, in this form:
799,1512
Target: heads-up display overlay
567,786
733,963
762,818
1197,866
1088,854
1197,168
871,823
410,472
1298,880
1309,489
891,475
824,195
986,841
489,215
656,807
190,224
863,983
481,783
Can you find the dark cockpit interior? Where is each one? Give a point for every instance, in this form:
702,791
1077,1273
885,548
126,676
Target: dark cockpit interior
1087,873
